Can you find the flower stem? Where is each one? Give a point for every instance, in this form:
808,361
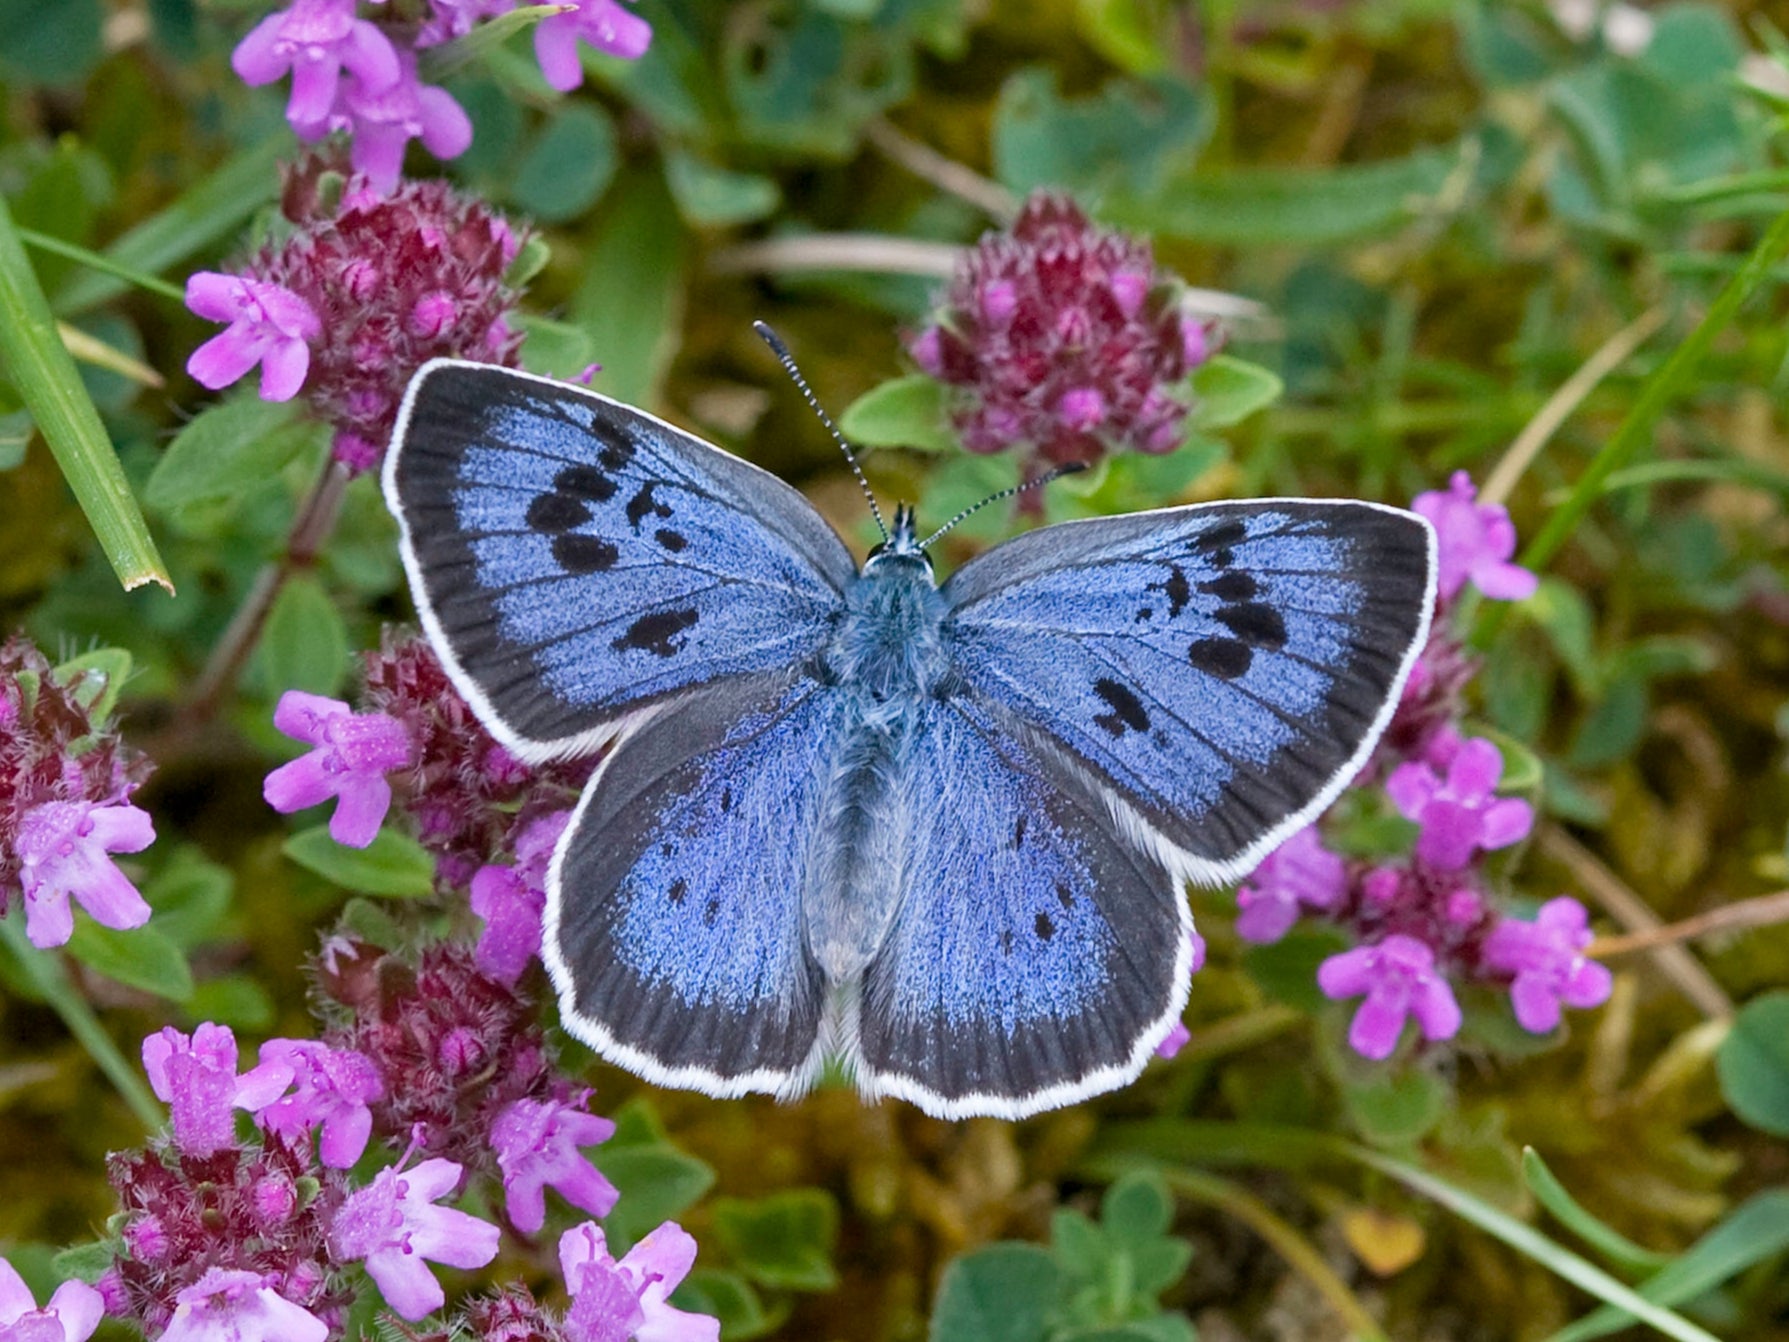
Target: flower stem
44,969
310,529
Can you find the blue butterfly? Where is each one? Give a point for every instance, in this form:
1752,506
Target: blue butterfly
940,834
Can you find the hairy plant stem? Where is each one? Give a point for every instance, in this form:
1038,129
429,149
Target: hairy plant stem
44,969
310,529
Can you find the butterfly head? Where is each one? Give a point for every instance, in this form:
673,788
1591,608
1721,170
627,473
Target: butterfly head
903,545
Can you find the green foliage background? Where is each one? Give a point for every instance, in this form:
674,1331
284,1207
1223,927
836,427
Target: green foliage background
1440,212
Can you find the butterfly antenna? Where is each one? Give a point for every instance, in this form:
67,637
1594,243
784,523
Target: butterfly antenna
778,348
1071,468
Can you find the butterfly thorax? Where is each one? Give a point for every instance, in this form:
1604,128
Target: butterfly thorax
888,643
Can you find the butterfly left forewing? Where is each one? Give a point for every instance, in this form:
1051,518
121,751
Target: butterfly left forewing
576,560
1222,669
1036,955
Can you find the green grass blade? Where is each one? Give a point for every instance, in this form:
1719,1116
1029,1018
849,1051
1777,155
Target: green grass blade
1659,390
99,261
43,371
1610,1243
1528,1241
213,209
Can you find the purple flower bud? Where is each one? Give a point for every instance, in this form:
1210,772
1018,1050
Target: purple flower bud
1081,409
1300,872
269,325
226,1305
605,24
1175,1040
511,900
1459,814
433,314
1476,542
146,1239
1195,341
316,40
62,850
616,1300
394,1225
333,1089
354,752
537,1146
1546,958
926,351
113,1291
998,300
273,1198
1399,980
73,1313
1130,288
461,1053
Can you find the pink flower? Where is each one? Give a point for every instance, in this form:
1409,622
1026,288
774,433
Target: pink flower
393,1224
196,1076
612,1301
354,752
450,19
269,325
1459,814
230,1305
605,24
1300,872
510,900
1476,542
334,1089
62,849
383,119
537,1145
73,1313
1399,979
1547,960
316,40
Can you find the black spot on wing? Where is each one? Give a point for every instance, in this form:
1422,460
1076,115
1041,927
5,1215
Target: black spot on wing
616,453
1231,587
554,513
642,504
1044,927
1225,658
726,800
679,890
1221,537
1065,897
1258,625
1127,710
671,540
656,633
711,912
1175,588
585,482
1019,832
584,554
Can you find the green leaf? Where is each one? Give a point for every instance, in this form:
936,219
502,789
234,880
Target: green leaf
393,865
715,197
633,292
226,449
1300,207
49,44
1753,1064
903,412
101,675
1137,1207
41,368
726,1296
1286,970
1757,1230
1123,136
1610,1243
785,1239
657,1181
190,896
1003,1293
236,1000
1564,615
559,349
1398,1109
1230,390
569,165
138,958
84,1262
304,645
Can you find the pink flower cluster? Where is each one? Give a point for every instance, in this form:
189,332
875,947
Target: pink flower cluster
1063,339
65,784
220,1239
358,76
363,290
1428,922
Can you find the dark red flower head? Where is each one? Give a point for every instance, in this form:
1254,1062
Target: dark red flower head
1065,339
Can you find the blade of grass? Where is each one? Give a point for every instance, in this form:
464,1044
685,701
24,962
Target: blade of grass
92,350
211,210
99,261
44,969
1657,392
44,373
1610,1243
